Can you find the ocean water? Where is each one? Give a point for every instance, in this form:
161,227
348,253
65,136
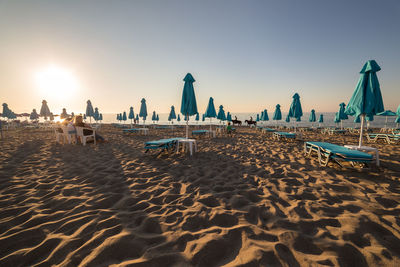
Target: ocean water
378,122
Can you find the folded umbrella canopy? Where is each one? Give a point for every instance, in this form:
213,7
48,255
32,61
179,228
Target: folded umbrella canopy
342,115
203,118
96,114
143,110
137,118
312,117
64,114
210,111
295,110
131,115
367,97
228,116
124,118
44,110
287,118
179,118
89,110
337,118
154,116
172,114
258,117
188,104
7,113
265,115
221,114
34,115
197,117
321,119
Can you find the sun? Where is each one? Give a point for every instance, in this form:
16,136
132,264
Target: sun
56,82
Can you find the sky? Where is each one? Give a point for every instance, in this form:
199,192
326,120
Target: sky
249,55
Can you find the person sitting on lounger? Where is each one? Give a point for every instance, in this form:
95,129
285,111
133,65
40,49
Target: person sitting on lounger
78,122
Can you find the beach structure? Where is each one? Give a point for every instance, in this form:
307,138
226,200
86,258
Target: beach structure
131,115
295,110
44,110
89,110
210,111
188,103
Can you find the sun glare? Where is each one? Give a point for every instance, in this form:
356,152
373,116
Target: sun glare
56,82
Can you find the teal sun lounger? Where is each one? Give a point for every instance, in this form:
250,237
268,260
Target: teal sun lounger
388,138
284,135
163,144
328,151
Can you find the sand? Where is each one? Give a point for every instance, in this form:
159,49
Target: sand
241,201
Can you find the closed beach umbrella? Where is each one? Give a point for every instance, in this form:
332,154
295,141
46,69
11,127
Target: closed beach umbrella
124,118
221,113
188,104
137,118
117,117
34,115
337,118
179,118
312,117
342,115
277,113
228,116
84,116
120,117
101,117
131,115
186,118
386,113
258,117
143,110
64,114
298,119
287,118
157,118
172,114
197,117
154,116
96,114
321,119
210,111
357,119
265,115
203,118
44,110
6,111
89,110
295,110
367,97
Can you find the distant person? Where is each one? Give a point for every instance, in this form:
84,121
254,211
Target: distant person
229,128
78,122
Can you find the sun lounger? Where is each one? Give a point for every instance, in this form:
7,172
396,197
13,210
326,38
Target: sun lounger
284,135
328,151
336,131
133,130
200,132
268,130
388,138
163,144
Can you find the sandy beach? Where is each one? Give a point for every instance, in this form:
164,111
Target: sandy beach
241,201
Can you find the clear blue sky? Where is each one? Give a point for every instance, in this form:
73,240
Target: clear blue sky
248,54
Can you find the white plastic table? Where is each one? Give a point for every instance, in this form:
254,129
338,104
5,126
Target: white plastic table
366,149
189,143
144,131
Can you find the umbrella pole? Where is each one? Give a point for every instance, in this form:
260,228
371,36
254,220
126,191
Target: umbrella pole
361,130
187,126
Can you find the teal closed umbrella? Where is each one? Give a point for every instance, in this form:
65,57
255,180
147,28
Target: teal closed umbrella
96,114
64,114
188,104
120,117
143,110
228,116
321,119
203,118
277,113
210,111
34,115
341,114
89,110
287,118
179,118
154,116
337,118
131,115
295,110
386,113
7,113
157,118
44,110
221,114
197,117
84,117
265,115
298,119
258,117
172,114
137,118
367,97
357,119
101,117
124,118
312,117
117,117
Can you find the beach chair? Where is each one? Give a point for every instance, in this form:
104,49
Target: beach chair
162,144
388,138
336,131
59,133
267,130
133,130
336,153
200,132
85,137
284,136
